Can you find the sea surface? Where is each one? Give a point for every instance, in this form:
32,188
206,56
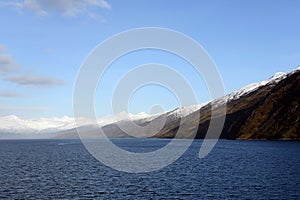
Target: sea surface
63,169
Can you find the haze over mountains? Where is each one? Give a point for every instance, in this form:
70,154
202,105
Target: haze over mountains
265,110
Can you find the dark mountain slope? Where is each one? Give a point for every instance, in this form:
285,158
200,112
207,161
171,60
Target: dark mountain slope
270,111
277,116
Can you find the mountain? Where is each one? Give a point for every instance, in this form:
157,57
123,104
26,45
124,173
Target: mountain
276,115
14,127
108,124
265,110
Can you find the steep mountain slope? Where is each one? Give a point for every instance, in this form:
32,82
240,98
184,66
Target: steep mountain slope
265,110
278,115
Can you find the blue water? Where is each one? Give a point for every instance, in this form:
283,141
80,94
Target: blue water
63,169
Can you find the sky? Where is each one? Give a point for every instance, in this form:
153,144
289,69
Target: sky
44,42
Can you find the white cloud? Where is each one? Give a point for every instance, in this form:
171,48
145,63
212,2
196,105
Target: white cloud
62,7
7,64
34,80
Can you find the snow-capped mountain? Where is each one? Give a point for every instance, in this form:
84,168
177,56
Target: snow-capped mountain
36,127
251,111
250,88
47,127
265,110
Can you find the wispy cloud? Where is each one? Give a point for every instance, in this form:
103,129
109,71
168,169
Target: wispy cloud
19,108
9,94
68,8
2,48
14,4
34,80
7,64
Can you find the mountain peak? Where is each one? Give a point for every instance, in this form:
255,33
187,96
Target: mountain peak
278,75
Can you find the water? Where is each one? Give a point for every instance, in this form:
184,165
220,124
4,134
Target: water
63,169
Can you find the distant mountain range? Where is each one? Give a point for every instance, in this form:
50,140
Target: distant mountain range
14,127
266,110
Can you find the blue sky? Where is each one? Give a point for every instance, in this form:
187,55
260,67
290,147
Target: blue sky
43,43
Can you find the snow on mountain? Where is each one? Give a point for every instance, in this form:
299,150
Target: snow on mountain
277,77
127,116
184,111
17,125
250,88
13,124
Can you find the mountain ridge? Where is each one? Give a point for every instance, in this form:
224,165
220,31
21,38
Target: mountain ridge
242,113
265,110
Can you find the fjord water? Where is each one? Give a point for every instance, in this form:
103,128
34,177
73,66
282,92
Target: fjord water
63,169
